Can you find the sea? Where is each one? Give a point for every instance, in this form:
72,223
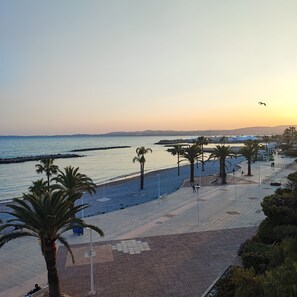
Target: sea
102,166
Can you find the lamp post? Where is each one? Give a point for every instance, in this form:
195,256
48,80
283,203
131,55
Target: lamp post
159,194
234,179
197,191
92,291
82,202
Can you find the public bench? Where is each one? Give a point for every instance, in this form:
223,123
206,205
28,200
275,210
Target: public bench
40,292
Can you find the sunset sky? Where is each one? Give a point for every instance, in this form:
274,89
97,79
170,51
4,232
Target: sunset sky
100,66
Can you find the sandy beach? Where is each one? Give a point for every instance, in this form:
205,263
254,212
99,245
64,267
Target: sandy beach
125,193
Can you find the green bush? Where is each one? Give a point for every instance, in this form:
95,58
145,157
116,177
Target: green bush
265,231
252,246
247,283
257,261
283,232
270,233
281,209
281,281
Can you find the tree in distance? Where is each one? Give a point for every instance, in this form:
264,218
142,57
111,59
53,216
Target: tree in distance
177,150
141,152
47,166
221,153
191,153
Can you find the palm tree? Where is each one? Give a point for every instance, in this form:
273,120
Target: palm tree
141,151
45,217
201,141
223,140
177,150
39,187
191,153
47,166
73,183
266,140
222,152
249,150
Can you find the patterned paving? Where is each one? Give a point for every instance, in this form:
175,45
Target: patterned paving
181,265
131,246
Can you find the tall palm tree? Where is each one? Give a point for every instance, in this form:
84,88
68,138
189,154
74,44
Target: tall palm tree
222,152
249,150
177,150
141,151
73,184
191,153
257,147
201,141
266,140
39,187
47,166
224,139
45,217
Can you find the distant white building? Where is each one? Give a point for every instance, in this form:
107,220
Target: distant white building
242,138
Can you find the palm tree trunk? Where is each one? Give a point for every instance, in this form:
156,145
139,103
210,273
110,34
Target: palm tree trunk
53,278
192,172
223,172
178,171
249,167
141,176
202,158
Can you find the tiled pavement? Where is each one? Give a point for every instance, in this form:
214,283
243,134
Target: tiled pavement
183,256
174,265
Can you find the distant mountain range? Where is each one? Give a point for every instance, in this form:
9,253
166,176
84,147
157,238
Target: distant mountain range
256,131
277,130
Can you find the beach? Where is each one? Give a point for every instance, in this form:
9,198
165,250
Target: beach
126,193
120,194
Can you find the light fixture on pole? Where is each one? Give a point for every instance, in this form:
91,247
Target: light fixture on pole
197,191
92,291
82,202
235,190
159,194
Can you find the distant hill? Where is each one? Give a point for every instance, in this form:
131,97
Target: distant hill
277,130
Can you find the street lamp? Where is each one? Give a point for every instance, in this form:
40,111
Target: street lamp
92,291
197,191
82,202
159,195
234,179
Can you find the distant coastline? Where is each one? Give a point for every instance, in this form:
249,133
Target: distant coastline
256,131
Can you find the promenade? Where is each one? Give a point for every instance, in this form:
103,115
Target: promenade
174,246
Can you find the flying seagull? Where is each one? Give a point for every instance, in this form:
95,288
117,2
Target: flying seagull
262,103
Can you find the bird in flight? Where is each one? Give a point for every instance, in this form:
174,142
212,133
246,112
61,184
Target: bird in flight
262,103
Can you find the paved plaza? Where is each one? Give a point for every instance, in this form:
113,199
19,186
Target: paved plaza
174,246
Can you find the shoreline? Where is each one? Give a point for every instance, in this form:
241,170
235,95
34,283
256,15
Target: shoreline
125,192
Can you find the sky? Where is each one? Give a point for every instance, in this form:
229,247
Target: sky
69,66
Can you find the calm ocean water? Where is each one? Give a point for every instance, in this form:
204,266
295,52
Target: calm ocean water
101,166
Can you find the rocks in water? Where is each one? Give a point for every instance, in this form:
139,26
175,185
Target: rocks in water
100,148
37,158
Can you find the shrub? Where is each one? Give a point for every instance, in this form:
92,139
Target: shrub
265,231
257,261
247,284
283,232
281,209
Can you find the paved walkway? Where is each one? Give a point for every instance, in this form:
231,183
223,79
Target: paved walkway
179,240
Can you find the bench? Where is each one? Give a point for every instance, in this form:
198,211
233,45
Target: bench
40,292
